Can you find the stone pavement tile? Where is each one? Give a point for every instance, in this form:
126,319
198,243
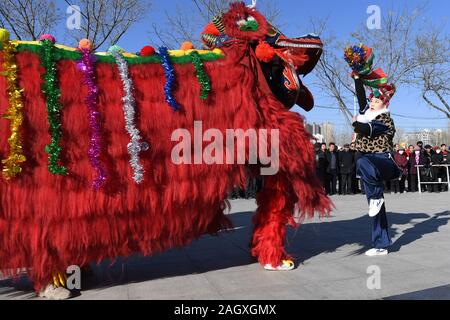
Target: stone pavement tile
12,293
234,282
405,282
241,205
204,296
345,289
223,263
116,292
388,264
319,270
172,288
427,259
436,293
263,293
172,256
149,272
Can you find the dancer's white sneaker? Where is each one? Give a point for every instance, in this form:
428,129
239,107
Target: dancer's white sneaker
286,265
375,206
376,252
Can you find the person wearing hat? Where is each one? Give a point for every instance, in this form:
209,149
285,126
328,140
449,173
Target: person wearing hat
375,131
426,173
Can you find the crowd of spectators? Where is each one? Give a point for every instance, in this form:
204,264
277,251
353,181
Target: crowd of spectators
336,168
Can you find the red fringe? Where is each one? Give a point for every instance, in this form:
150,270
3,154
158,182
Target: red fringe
48,222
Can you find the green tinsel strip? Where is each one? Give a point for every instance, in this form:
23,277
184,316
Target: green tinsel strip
51,90
202,76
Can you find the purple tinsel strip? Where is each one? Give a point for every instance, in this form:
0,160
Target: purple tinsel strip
86,65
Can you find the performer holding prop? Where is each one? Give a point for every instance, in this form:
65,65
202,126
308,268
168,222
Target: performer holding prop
375,131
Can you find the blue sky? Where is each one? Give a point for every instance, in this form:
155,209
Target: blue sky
343,18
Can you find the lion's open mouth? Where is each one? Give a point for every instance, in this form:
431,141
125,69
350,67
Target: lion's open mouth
309,41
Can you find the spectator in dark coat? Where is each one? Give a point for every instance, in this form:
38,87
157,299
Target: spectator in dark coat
332,168
445,160
346,160
437,159
417,158
409,152
398,185
322,164
354,178
427,173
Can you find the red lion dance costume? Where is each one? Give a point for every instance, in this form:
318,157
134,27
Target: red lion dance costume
79,185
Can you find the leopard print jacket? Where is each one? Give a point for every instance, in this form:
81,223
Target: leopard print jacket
380,143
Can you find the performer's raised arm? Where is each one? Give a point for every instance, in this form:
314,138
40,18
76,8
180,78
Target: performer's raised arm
361,95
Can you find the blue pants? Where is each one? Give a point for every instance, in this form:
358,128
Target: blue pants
374,168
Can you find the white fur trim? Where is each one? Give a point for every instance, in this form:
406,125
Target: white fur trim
370,115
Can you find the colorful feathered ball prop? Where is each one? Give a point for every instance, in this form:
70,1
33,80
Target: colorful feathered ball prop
360,58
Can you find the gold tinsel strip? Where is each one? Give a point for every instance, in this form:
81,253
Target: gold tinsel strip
12,164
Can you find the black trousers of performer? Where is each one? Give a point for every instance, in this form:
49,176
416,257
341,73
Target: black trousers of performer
345,183
374,169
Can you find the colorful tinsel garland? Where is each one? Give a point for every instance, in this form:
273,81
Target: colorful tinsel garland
202,76
170,78
12,164
50,54
87,67
51,90
129,108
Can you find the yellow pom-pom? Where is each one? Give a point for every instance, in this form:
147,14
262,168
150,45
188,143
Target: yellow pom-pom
187,46
85,44
4,35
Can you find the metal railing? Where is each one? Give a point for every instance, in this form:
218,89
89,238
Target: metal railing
425,182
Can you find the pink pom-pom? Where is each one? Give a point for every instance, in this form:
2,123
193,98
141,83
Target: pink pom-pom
47,37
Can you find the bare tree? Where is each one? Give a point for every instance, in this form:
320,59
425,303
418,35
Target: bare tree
332,72
106,21
28,19
432,76
394,43
186,21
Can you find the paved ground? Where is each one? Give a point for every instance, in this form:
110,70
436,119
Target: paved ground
329,252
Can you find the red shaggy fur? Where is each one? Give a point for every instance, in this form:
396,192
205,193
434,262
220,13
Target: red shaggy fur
239,11
48,222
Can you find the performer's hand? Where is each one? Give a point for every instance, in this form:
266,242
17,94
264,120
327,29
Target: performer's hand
354,119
